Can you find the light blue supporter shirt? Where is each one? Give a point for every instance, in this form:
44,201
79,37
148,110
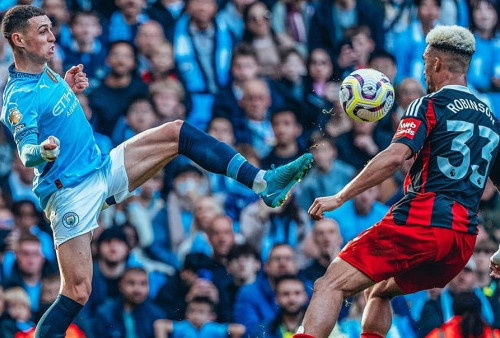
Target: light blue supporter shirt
36,106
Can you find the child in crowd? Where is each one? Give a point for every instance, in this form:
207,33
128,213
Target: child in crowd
140,117
86,48
161,63
18,308
199,322
167,97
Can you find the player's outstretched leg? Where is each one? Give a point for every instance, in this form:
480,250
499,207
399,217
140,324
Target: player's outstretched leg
272,186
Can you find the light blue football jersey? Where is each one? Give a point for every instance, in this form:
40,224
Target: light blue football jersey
36,106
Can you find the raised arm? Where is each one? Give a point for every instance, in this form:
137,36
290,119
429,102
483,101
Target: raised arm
381,167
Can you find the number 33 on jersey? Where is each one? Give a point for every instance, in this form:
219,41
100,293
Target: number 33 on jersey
455,138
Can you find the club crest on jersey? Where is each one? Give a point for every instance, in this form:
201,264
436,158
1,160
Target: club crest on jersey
70,219
407,128
15,116
51,75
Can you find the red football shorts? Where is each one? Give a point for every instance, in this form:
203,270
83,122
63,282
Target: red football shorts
417,257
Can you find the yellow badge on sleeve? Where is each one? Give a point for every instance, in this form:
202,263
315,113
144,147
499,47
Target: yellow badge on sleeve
15,116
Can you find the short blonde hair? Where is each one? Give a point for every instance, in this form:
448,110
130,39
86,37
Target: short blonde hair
453,39
168,84
17,295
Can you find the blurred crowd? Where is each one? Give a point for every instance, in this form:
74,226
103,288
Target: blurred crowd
194,254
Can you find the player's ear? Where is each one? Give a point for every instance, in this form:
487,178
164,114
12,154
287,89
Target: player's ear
437,63
17,39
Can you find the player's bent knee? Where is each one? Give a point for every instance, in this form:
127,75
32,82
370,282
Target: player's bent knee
172,128
331,285
79,291
383,289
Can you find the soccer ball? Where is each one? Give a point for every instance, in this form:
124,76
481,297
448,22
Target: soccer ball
366,95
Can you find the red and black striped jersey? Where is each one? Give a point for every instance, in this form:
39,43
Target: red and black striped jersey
455,140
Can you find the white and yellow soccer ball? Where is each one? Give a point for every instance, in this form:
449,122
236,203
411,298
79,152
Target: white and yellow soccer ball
366,95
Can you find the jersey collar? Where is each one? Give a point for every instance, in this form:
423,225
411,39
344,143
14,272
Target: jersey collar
20,75
457,87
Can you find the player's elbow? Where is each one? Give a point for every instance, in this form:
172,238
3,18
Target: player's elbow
396,155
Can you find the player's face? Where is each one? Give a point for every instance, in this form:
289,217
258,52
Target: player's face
428,72
38,40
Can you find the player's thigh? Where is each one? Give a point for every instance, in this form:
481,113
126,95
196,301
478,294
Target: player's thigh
146,153
343,277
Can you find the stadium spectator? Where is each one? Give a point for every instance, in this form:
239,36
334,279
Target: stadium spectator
21,181
28,269
328,175
267,44
333,17
222,238
467,320
189,183
109,266
482,74
168,99
127,19
205,210
244,66
6,226
287,130
293,18
232,16
316,86
199,322
130,314
140,116
111,99
166,12
161,63
328,241
149,35
291,298
86,47
28,219
103,142
256,302
263,228
355,49
50,288
243,264
255,129
202,50
410,44
190,282
482,253
18,310
359,213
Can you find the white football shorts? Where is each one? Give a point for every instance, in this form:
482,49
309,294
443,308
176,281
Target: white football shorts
74,211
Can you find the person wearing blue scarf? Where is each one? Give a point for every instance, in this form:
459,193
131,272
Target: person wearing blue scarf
202,52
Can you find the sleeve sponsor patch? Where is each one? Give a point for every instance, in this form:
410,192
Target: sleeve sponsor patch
22,134
408,127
